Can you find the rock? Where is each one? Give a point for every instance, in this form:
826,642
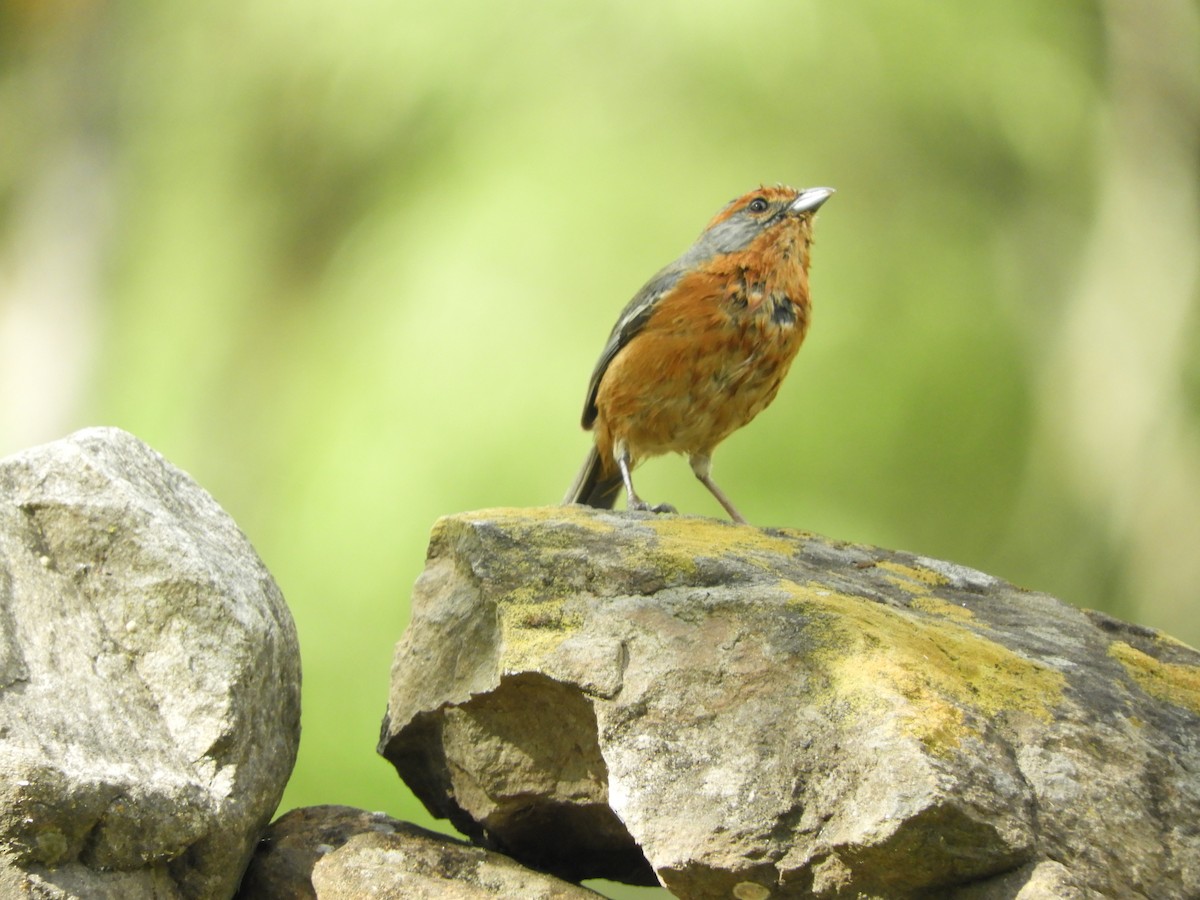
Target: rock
339,853
764,713
149,679
1046,880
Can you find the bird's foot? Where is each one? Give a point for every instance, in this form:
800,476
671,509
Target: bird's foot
641,505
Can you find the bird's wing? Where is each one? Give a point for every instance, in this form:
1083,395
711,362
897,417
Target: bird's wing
631,321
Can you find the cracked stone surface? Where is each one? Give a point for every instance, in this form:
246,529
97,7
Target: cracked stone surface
740,712
149,678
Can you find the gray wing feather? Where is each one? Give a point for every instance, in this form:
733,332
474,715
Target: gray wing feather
632,320
638,311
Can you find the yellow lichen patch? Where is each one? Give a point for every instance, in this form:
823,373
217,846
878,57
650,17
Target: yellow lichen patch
911,579
937,668
942,608
526,650
537,517
531,627
688,538
1170,682
681,537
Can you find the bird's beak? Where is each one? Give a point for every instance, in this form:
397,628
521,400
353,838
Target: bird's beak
810,199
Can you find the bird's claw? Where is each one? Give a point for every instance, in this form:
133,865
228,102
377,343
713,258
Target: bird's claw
642,506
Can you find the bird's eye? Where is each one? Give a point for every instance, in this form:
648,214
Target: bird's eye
757,205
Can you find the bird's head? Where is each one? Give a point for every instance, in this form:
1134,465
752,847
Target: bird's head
763,210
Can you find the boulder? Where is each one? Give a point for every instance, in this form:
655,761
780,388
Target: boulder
340,853
149,679
754,713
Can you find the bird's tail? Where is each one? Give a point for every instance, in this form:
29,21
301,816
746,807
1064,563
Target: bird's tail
594,487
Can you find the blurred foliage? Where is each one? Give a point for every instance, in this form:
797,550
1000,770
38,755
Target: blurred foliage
350,265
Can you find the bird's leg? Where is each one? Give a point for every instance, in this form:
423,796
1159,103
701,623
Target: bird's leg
633,501
702,466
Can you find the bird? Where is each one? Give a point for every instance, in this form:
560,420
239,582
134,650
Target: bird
703,347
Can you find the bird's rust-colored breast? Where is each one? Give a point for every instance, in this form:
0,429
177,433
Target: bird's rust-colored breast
714,353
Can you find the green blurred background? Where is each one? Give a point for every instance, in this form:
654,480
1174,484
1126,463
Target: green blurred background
350,265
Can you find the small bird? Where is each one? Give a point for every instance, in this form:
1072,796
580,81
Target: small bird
703,347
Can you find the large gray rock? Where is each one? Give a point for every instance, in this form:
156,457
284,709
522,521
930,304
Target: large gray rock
760,713
149,679
340,853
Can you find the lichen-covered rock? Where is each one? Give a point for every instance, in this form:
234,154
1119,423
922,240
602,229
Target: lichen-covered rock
340,853
149,679
764,713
